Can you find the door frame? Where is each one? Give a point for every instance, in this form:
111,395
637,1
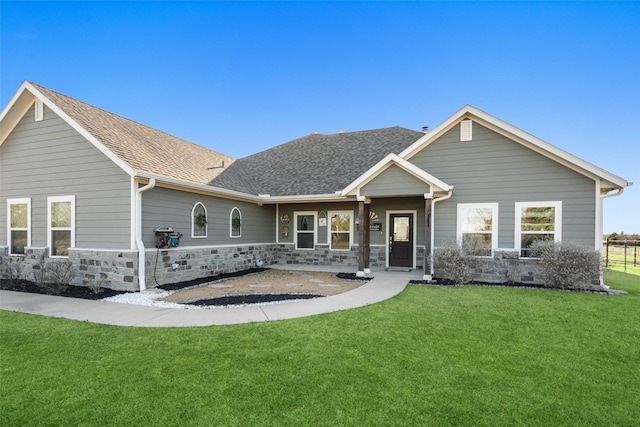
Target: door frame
412,212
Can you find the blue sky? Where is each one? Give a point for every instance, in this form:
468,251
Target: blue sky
241,77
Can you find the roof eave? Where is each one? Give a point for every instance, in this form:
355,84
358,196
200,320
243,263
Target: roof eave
20,100
168,182
305,198
402,163
524,138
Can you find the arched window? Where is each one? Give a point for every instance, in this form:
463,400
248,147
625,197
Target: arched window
235,223
199,221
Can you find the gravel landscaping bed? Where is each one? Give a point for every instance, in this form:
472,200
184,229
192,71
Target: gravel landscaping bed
266,284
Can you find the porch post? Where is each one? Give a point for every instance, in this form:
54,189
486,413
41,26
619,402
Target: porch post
360,272
427,238
367,237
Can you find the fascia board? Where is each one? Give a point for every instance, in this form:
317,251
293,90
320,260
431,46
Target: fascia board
524,138
167,182
82,131
421,174
305,198
14,111
365,177
548,150
434,134
384,164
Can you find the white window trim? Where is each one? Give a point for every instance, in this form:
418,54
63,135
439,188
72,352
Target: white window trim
56,199
494,222
22,201
557,233
329,231
193,221
315,228
231,235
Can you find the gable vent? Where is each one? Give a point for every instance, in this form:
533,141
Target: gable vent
466,130
39,111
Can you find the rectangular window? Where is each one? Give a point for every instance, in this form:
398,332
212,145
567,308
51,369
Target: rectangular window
19,225
478,227
61,217
305,230
537,221
340,235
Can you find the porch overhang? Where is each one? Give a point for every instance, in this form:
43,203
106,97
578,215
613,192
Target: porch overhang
418,181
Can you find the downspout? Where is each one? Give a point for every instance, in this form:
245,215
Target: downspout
433,226
601,228
139,242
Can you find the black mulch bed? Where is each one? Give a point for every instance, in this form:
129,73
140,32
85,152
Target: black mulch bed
252,299
351,276
200,281
447,282
69,291
83,292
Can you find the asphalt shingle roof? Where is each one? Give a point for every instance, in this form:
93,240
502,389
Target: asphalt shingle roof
316,163
143,148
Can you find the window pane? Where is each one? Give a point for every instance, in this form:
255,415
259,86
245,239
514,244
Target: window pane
339,240
401,229
538,219
527,239
340,222
476,219
61,243
61,214
19,216
305,222
305,240
199,231
18,241
478,244
199,221
236,222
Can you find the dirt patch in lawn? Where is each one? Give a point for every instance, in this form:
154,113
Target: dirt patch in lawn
270,282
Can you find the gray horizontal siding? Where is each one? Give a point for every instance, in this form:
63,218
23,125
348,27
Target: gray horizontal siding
491,169
394,182
50,158
163,207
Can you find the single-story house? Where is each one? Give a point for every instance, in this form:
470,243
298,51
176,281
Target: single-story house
129,207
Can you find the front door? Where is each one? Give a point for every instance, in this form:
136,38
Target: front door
401,240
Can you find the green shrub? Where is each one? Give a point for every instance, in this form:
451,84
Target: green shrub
568,265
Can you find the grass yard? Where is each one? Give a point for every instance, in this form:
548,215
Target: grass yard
431,356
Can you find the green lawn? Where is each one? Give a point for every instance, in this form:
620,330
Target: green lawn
431,356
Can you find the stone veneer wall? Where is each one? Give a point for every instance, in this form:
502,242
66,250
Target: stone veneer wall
113,269
506,267
322,256
118,269
183,264
106,269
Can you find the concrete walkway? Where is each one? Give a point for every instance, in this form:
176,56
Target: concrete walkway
385,285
